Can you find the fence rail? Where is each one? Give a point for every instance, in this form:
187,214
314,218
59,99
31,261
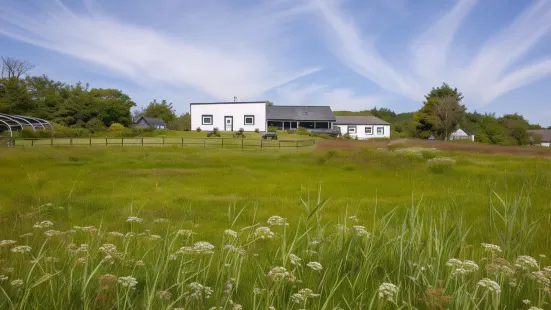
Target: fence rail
163,141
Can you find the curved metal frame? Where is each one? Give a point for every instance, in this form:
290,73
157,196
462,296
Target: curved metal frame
15,120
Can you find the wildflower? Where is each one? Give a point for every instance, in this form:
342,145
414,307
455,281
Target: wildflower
139,263
203,247
231,233
17,283
108,248
107,280
43,224
303,295
295,260
3,278
264,232
7,242
492,248
50,259
134,219
185,232
540,277
314,243
526,301
353,218
311,252
535,308
154,237
361,232
278,274
461,268
470,265
90,229
51,233
26,235
454,262
82,260
21,249
160,220
8,270
235,306
116,234
108,259
164,295
491,285
315,266
198,291
388,291
128,281
258,291
271,308
526,262
233,248
277,221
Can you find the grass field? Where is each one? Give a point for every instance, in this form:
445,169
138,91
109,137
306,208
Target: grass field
368,216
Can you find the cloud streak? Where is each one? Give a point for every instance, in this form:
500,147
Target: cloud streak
493,72
232,61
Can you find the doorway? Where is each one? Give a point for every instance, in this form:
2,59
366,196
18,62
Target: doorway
228,121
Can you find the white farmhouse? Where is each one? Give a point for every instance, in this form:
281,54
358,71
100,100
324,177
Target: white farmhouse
363,127
229,116
460,134
543,134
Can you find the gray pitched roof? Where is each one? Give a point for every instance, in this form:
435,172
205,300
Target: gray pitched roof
300,113
359,120
152,121
544,133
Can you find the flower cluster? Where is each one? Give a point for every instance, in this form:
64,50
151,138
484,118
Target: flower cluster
279,274
230,233
461,268
361,232
7,242
295,260
491,285
491,248
43,224
303,295
526,263
134,219
201,247
441,162
199,291
264,232
388,291
128,281
21,249
315,266
277,220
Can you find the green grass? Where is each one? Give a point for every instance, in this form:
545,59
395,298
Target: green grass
417,216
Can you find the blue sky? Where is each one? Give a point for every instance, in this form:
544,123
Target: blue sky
349,54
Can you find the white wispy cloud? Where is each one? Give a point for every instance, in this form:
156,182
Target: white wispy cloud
218,51
493,72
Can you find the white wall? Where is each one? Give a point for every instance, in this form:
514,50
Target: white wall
360,131
237,110
548,144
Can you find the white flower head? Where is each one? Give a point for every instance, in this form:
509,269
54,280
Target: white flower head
134,219
526,263
315,266
26,235
295,260
526,301
388,291
277,220
264,232
185,232
21,249
491,285
230,233
361,232
43,224
199,291
3,278
116,234
160,220
278,274
492,248
17,283
128,281
7,242
108,248
51,233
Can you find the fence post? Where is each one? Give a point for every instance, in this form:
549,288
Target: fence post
32,142
90,140
142,141
51,141
204,143
279,142
105,141
70,141
182,142
261,143
163,141
122,141
222,142
297,144
242,143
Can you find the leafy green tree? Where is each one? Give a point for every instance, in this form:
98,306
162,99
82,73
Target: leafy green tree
517,127
183,122
440,113
95,125
162,110
269,103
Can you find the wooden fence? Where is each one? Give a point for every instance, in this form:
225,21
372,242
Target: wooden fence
163,141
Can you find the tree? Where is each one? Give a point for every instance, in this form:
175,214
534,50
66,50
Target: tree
14,68
162,110
269,103
183,122
441,112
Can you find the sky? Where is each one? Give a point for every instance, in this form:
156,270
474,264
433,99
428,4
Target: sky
348,54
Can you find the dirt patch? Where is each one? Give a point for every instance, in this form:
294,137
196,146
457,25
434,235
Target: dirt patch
440,145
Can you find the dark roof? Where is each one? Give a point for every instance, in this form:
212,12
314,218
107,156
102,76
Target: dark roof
229,102
359,120
152,121
299,113
544,133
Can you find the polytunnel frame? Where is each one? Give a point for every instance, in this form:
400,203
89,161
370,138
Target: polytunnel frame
13,122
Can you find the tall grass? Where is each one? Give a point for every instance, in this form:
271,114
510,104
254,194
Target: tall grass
417,260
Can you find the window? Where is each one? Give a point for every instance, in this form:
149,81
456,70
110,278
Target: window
249,119
207,119
368,130
380,130
352,129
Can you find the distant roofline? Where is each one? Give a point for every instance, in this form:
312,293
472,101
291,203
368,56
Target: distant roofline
228,102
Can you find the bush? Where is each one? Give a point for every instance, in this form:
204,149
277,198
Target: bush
302,131
95,125
116,127
198,129
257,130
346,136
272,129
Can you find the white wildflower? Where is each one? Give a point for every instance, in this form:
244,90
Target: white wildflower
21,249
314,243
454,262
90,229
388,291
116,234
185,232
128,281
526,301
27,235
315,266
233,248
264,232
51,259
108,248
277,220
134,219
492,248
303,295
203,247
295,260
17,283
154,237
7,242
526,262
166,295
353,218
278,274
540,277
258,291
3,278
231,233
43,224
160,220
51,233
198,291
535,308
361,232
491,285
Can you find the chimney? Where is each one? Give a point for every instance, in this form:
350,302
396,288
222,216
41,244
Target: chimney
234,99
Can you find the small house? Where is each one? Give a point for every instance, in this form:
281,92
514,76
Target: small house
460,134
292,117
544,134
150,122
229,116
363,127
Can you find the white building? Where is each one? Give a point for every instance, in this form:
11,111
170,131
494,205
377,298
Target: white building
362,127
460,134
543,134
229,116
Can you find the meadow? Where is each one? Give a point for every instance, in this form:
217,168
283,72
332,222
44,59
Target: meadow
92,227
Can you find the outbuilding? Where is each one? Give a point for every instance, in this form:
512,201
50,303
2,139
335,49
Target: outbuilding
151,122
543,134
363,127
229,116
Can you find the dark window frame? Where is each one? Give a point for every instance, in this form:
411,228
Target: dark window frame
355,129
382,131
245,120
370,130
203,119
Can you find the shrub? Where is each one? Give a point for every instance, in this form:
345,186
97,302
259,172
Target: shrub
346,136
272,128
198,129
257,130
116,127
95,125
302,131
